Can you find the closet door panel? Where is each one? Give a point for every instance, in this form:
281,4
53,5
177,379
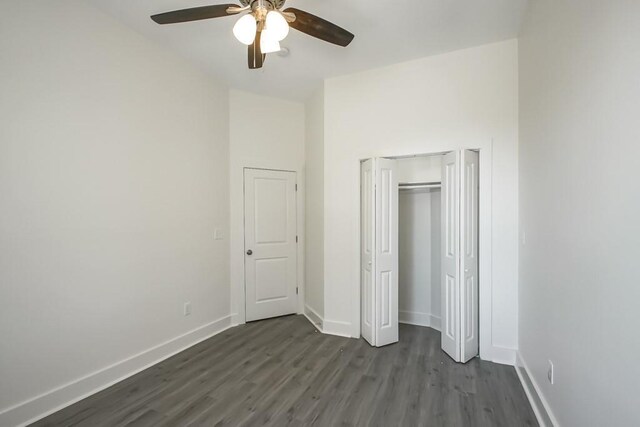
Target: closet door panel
450,298
469,320
386,256
367,248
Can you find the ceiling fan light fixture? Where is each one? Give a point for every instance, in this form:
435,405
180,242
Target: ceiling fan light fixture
277,25
245,29
268,43
263,26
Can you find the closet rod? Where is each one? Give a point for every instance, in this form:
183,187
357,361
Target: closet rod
416,185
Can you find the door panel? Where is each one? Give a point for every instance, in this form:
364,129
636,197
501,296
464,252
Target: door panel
270,243
450,301
270,277
367,249
386,256
271,203
469,258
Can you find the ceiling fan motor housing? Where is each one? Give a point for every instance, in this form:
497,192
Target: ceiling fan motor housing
270,4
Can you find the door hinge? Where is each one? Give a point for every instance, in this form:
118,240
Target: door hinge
296,187
296,290
296,239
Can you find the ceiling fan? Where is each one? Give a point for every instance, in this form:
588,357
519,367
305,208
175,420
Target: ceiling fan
264,26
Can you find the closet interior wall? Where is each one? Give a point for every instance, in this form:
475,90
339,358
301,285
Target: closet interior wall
419,243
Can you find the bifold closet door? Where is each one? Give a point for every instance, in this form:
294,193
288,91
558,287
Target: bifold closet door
449,296
459,295
379,251
386,256
469,319
367,250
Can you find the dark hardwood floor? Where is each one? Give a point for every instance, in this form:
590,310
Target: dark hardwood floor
282,372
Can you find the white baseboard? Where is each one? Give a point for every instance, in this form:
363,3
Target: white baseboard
419,319
330,327
333,327
52,401
236,319
435,323
313,317
539,404
503,355
414,318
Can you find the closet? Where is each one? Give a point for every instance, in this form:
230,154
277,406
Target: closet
419,195
419,248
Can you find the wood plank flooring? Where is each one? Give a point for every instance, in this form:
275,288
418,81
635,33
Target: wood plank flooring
282,372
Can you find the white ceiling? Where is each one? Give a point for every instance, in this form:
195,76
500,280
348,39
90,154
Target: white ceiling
386,32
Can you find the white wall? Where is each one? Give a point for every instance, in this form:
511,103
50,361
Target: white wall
113,177
420,169
414,256
418,251
314,209
467,98
579,207
266,133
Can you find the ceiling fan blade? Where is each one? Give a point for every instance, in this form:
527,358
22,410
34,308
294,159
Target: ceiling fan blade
319,28
196,13
256,57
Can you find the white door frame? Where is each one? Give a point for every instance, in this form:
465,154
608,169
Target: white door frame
485,288
269,250
240,316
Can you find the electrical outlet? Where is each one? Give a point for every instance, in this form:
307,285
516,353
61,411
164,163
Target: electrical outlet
187,309
550,372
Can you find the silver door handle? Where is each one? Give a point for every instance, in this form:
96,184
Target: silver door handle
466,270
369,263
249,252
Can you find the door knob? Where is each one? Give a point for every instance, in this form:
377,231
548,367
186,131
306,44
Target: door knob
249,252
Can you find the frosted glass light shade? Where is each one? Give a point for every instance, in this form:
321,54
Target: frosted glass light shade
277,25
245,29
268,43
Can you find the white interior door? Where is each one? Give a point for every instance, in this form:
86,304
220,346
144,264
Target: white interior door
449,296
469,257
386,255
270,243
459,296
367,250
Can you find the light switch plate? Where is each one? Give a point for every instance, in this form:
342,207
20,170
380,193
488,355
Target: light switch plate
217,234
